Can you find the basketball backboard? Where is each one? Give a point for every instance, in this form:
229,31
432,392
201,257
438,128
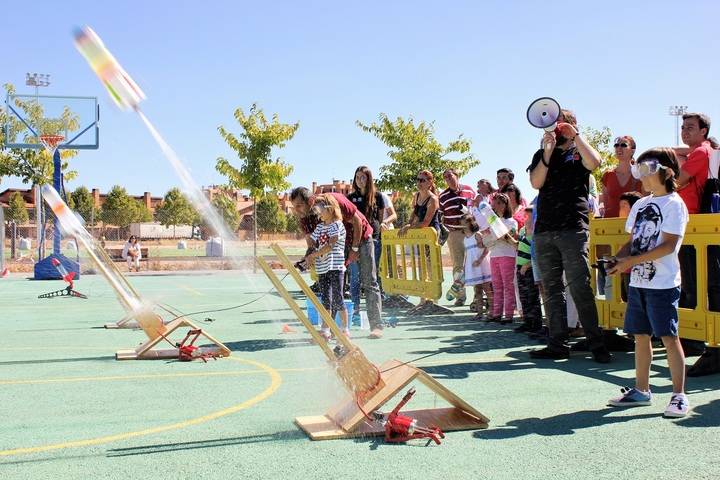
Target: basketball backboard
28,117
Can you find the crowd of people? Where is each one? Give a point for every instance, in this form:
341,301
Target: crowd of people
508,249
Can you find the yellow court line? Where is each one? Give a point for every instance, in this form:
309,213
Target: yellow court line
192,290
150,376
275,382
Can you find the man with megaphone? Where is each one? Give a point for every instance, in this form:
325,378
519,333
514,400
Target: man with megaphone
561,170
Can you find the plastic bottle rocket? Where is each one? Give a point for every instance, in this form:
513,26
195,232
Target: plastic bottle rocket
67,276
69,223
498,228
122,89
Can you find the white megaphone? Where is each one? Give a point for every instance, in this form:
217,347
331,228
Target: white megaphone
544,113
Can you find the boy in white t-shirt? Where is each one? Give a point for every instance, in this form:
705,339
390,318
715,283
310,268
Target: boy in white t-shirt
657,225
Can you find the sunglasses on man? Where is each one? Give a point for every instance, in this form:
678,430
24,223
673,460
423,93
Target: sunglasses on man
621,145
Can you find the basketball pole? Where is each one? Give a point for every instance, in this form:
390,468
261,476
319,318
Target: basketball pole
57,183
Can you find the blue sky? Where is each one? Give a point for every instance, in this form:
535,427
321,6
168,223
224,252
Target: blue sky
471,67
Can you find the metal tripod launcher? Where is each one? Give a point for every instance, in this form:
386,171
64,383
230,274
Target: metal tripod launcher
68,277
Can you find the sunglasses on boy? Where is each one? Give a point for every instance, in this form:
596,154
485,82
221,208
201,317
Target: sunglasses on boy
646,168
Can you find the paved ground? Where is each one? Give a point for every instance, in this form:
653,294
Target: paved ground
71,411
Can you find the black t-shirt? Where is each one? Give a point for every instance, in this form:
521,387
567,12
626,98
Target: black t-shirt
375,217
563,198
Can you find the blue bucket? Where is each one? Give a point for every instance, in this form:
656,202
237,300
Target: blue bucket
312,312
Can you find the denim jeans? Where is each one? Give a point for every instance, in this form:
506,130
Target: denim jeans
567,251
529,299
363,273
354,270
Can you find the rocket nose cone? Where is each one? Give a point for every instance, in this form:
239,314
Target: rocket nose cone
78,33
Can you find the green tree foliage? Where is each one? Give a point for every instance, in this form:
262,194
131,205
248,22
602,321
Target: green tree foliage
601,140
142,213
227,209
270,217
292,223
175,210
413,147
83,204
70,201
121,209
258,172
403,209
34,166
16,210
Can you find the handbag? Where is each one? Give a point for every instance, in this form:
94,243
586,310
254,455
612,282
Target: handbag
443,234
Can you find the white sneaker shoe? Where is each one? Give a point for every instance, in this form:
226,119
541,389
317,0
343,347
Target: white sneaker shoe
678,406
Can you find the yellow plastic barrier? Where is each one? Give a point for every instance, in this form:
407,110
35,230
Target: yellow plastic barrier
696,324
411,264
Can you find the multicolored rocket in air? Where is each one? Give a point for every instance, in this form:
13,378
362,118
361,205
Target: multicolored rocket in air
122,89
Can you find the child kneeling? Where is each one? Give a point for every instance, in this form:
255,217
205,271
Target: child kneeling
657,225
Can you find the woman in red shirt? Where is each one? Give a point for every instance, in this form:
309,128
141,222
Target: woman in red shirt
620,180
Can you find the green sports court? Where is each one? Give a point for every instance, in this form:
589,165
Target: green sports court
72,411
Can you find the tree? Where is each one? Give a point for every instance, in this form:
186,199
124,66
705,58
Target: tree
403,209
16,210
270,217
227,209
175,210
292,223
141,213
413,147
258,172
34,166
119,209
600,140
84,204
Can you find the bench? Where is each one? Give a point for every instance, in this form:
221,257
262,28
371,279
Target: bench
115,254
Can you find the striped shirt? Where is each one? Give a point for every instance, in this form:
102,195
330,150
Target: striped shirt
523,248
452,204
335,259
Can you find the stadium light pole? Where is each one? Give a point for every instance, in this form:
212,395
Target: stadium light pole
677,111
38,80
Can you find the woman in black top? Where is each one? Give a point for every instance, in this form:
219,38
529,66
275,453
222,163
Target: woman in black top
425,214
370,203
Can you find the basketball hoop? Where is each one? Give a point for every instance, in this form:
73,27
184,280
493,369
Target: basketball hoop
51,142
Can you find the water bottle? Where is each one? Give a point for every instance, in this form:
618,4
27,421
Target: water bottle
715,203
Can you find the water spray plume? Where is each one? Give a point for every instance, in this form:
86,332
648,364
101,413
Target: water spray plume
127,95
128,297
191,188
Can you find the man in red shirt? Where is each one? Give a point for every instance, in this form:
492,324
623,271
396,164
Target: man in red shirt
694,170
362,249
693,175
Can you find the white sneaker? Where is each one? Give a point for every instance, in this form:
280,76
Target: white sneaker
678,406
325,333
